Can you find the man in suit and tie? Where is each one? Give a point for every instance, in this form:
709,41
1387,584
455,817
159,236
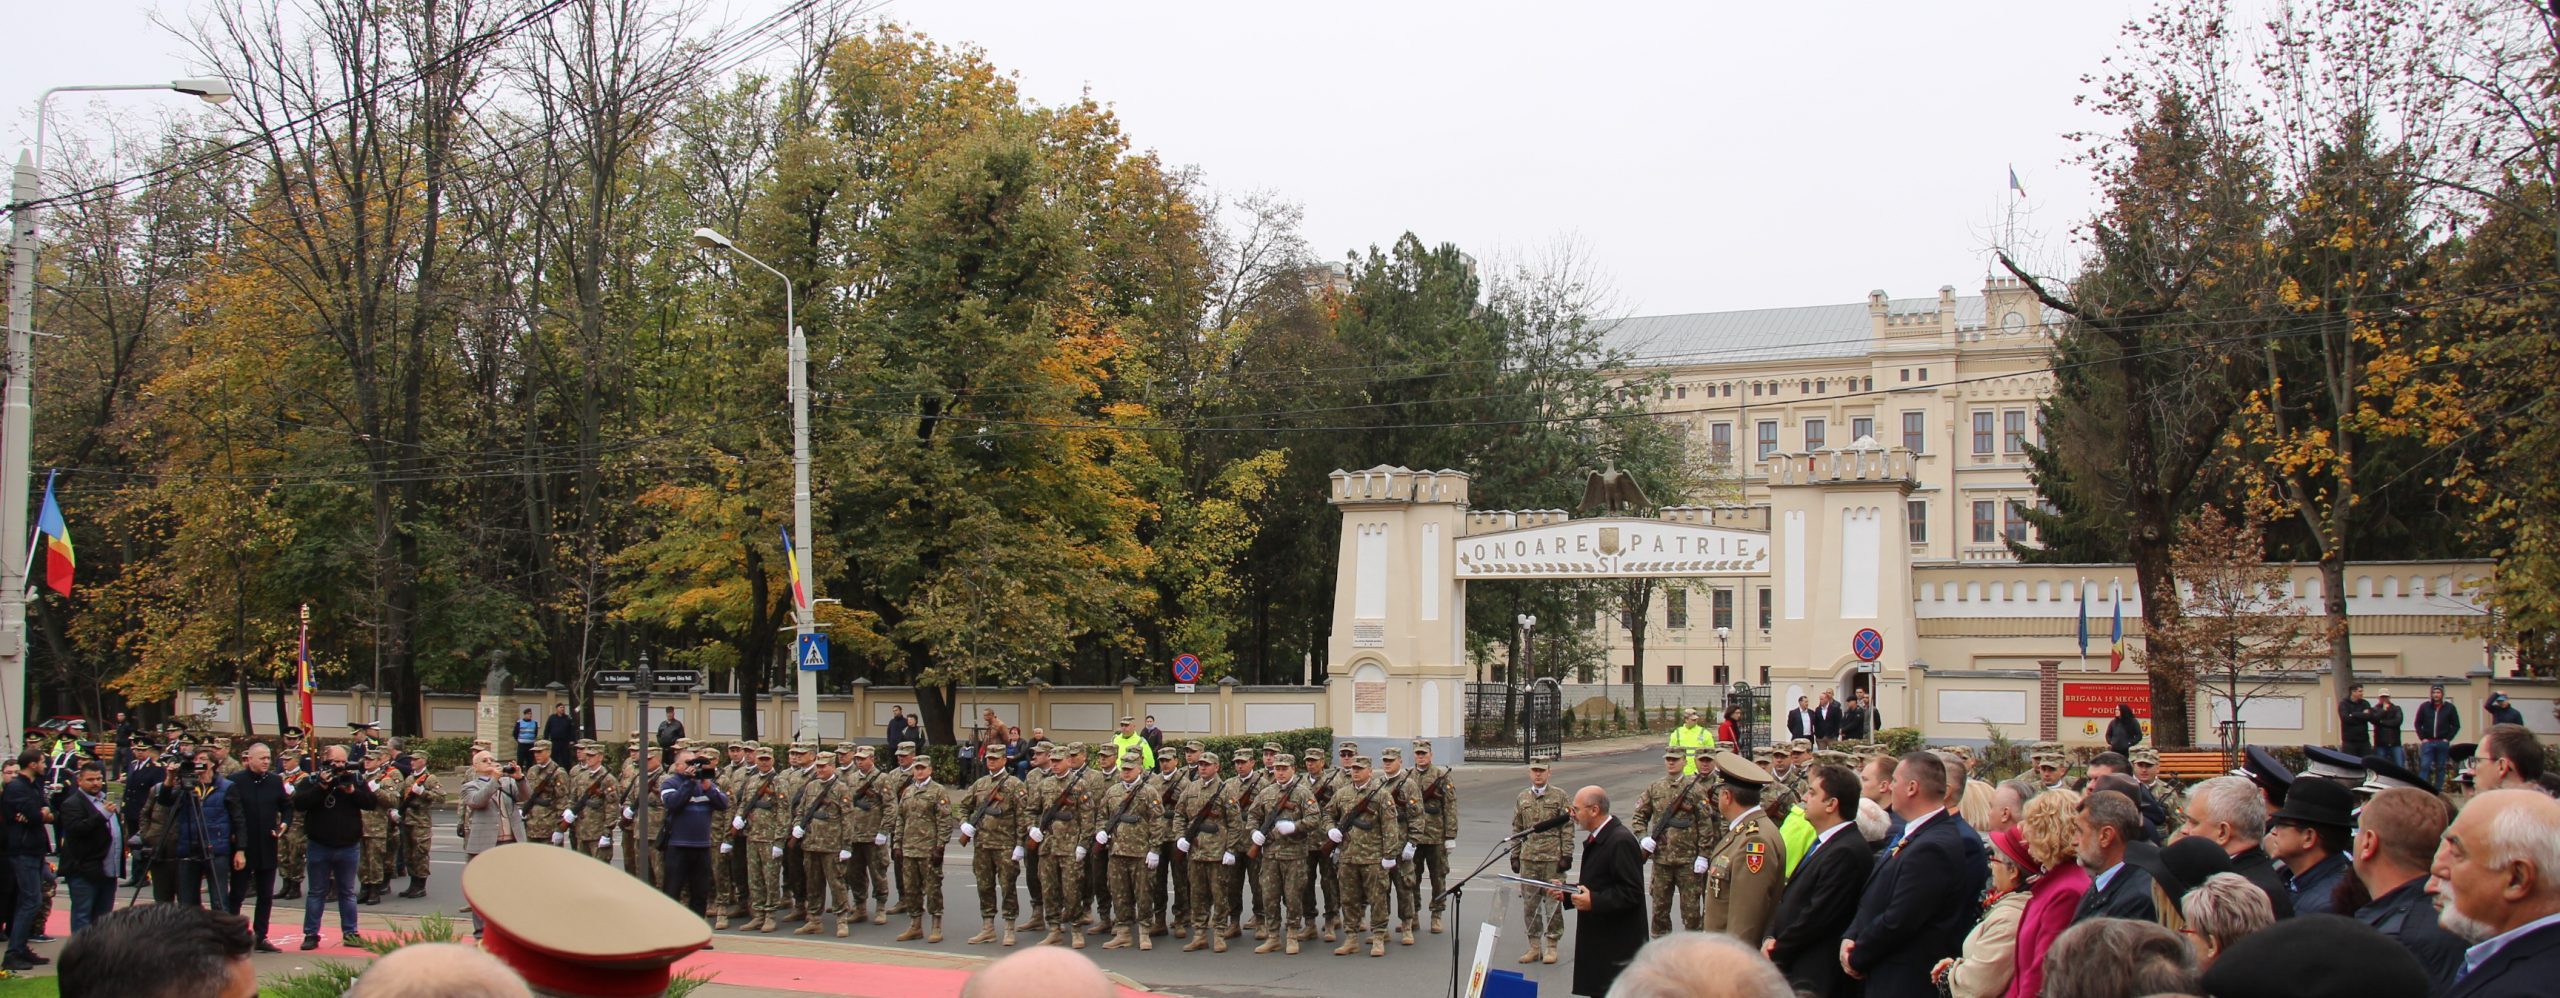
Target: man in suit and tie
1610,900
2498,875
1826,720
1914,910
1822,897
1800,720
2110,830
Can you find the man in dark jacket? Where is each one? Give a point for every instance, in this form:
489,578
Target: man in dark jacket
2397,833
670,731
193,809
560,730
2109,831
691,795
2387,722
1913,911
23,841
2355,723
2439,723
2497,894
2231,812
261,810
330,806
92,848
1610,900
1822,895
1826,723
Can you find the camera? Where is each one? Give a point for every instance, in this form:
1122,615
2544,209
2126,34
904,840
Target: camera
705,771
512,769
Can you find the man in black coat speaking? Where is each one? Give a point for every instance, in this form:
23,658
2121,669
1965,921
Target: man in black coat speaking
1611,926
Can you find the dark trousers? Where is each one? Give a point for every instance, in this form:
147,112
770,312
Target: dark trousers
524,754
332,874
27,872
253,883
183,881
91,897
689,877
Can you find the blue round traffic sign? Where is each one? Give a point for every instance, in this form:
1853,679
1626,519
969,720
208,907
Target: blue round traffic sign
1186,668
1867,644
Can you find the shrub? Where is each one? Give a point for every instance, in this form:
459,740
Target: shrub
2002,758
445,753
1900,741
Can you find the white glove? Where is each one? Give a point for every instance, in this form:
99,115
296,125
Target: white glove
844,854
1079,854
1699,865
559,838
1017,854
608,841
1102,838
568,817
1152,860
373,784
1182,844
737,822
1257,837
1036,836
626,814
1285,827
395,814
1335,834
968,831
777,852
1646,844
1228,859
1408,850
724,848
881,839
798,832
1388,863
1449,846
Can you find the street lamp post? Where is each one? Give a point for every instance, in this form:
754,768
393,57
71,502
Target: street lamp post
804,617
15,470
1724,670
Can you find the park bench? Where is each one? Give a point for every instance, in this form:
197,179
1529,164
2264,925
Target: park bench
2192,766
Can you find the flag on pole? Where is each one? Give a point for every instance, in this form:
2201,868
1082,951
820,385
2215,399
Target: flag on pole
302,669
799,589
58,559
2084,618
2115,631
2013,183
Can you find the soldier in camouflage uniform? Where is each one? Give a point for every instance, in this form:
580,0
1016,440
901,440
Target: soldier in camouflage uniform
1242,787
1132,813
1544,856
290,852
418,815
1678,823
786,785
1362,827
924,823
642,818
1283,818
883,870
819,813
1167,780
542,807
1033,780
1205,823
1176,867
1435,832
590,795
728,864
1065,806
763,817
1408,805
1320,779
373,860
874,803
994,830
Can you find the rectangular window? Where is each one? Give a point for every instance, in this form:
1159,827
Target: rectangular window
1720,441
1982,432
1684,391
1985,530
1763,597
1918,511
1913,439
1675,607
1627,620
1816,435
1906,375
1591,618
2017,521
1862,428
1924,374
2013,431
1724,607
1674,675
1768,438
1627,674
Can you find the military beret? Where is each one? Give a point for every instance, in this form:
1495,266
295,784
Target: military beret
906,748
567,924
1391,752
542,745
1244,755
2353,960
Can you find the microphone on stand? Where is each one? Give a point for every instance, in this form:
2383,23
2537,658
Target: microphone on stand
1549,825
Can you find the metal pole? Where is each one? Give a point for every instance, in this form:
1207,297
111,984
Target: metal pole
640,767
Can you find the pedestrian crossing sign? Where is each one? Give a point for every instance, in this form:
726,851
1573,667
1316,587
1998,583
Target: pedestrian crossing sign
813,653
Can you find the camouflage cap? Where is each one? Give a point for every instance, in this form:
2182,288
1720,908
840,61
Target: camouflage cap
1075,748
1271,746
1313,755
2146,757
1421,745
1830,757
1539,764
1391,752
1194,746
542,745
1126,719
1673,753
1359,762
1801,745
1244,755
1347,748
733,746
1043,747
802,748
764,751
1283,761
1132,760
906,748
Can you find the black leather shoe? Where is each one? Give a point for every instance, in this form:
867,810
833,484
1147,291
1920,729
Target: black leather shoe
267,947
14,964
310,943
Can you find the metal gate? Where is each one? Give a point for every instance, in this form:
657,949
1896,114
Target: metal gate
1520,724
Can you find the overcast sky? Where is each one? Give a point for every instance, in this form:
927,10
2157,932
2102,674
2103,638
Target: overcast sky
1706,156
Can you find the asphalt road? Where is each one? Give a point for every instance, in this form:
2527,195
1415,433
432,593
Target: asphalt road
1485,793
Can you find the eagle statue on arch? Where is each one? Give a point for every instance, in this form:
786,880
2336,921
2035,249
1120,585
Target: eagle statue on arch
1614,491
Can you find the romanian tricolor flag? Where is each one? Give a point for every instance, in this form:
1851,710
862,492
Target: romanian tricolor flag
58,560
799,588
2115,631
302,670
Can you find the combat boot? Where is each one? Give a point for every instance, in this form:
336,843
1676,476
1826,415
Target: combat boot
1377,946
1077,935
1349,945
1328,928
1551,952
1198,942
1217,943
1435,923
764,922
1119,939
915,930
811,928
1291,948
879,915
1008,934
1054,937
1268,944
1532,955
719,922
986,933
844,928
292,890
935,936
1145,941
1181,930
799,912
417,888
1405,935
1035,923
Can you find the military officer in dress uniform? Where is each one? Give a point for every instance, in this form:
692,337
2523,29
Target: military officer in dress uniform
1131,811
763,819
923,825
1748,869
1066,816
1547,855
819,813
1676,825
564,925
1362,827
993,830
546,782
1284,818
1205,825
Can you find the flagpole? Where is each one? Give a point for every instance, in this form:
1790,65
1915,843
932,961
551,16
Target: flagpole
2084,623
35,539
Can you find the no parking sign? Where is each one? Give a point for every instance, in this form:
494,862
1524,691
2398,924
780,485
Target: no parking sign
1867,644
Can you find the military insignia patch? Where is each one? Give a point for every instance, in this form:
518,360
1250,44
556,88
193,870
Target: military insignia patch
1755,855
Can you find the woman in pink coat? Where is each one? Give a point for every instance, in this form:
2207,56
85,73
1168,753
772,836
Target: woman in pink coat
2047,828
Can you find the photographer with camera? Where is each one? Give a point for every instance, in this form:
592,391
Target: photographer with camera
691,795
493,811
194,844
332,805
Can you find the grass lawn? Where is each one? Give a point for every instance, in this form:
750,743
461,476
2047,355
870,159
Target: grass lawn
28,987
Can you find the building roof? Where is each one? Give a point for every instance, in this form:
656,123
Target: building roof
1805,332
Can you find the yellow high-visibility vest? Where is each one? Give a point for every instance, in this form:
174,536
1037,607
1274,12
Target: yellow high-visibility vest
1694,739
